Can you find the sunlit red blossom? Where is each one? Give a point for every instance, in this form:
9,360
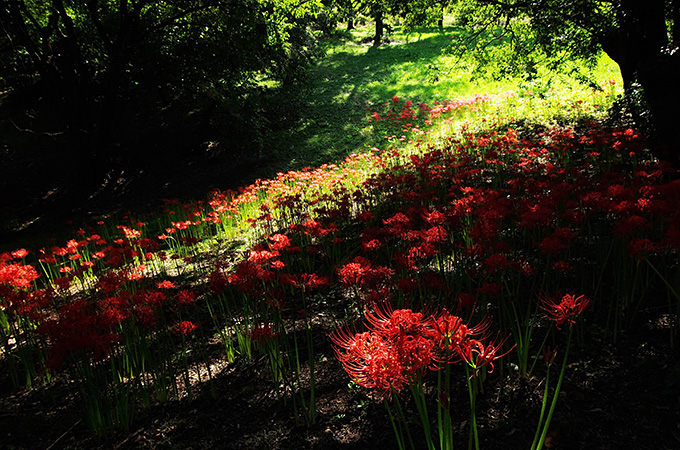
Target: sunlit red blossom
128,232
567,309
18,275
477,354
434,217
354,272
370,361
450,332
401,342
277,265
186,327
59,251
182,225
20,253
314,228
279,242
262,334
258,255
165,284
436,234
393,323
398,224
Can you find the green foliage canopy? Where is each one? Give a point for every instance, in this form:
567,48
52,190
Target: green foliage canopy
643,37
101,65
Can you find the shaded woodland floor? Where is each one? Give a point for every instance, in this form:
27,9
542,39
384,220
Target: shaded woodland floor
615,396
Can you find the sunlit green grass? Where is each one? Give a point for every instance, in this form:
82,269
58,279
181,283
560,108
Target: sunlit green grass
354,77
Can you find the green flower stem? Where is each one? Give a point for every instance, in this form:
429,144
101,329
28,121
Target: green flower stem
443,411
472,390
416,388
556,394
545,401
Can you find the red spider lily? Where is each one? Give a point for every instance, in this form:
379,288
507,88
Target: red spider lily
218,281
186,298
79,330
452,333
568,309
19,254
640,247
398,349
549,354
311,281
186,327
18,275
63,283
258,255
279,242
477,354
262,334
393,323
354,272
370,361
165,284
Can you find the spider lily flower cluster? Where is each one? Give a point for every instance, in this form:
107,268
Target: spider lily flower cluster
401,346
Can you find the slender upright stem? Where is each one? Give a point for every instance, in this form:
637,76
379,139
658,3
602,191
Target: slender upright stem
545,402
472,390
556,394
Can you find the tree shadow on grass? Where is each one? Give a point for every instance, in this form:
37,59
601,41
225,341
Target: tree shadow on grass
345,86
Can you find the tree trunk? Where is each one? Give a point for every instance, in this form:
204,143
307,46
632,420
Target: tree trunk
650,73
379,28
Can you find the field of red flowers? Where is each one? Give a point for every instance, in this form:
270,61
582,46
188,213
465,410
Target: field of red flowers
510,286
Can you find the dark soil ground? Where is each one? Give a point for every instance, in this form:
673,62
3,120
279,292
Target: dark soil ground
615,396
